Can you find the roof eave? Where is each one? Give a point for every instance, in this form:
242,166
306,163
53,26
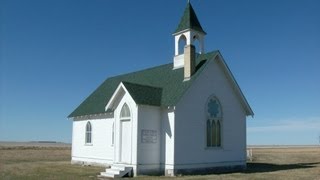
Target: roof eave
110,104
248,109
188,29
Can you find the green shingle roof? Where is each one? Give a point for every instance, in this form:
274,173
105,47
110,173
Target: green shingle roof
157,86
143,94
189,20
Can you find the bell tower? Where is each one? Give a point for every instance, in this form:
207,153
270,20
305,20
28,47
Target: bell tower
188,32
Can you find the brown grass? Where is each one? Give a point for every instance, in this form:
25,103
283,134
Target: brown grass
42,163
54,163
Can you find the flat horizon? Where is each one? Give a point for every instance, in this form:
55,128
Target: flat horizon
43,142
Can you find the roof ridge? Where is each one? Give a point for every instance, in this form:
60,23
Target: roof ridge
126,82
169,81
158,66
150,68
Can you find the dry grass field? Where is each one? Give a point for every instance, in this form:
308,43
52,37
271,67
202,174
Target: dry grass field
29,162
41,163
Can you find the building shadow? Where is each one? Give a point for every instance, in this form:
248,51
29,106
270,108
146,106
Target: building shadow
255,167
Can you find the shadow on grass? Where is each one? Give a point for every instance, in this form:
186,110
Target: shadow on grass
265,167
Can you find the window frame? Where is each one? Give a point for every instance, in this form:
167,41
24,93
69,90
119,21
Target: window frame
216,120
88,133
127,109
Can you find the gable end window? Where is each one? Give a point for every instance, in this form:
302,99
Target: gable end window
88,137
213,122
125,112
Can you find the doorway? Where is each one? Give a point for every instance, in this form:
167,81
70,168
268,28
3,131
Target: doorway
125,135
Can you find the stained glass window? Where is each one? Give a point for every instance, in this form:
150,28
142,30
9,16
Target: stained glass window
214,120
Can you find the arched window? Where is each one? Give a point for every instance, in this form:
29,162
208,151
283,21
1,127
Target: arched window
125,112
88,133
182,43
196,43
213,122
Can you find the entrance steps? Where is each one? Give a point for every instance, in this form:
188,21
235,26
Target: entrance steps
117,171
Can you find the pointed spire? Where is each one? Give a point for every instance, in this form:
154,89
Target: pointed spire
189,20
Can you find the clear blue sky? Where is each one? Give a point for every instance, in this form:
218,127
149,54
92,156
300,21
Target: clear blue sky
54,53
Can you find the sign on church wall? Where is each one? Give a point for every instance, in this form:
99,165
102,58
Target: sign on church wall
148,136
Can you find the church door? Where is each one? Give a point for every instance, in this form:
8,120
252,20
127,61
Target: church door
125,135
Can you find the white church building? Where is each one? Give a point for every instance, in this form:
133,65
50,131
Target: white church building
185,117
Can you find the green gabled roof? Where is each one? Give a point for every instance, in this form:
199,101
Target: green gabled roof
189,20
143,94
158,86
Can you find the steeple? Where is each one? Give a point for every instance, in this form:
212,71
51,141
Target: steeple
189,21
188,34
